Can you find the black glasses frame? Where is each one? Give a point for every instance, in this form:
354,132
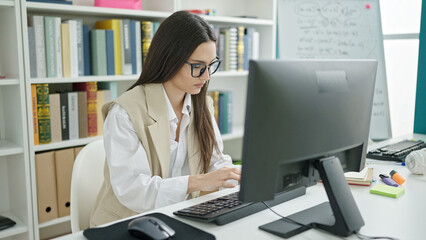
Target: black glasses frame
204,67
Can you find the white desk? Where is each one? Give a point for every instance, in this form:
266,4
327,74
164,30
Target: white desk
402,218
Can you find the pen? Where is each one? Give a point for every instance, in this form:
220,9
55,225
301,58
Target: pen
389,181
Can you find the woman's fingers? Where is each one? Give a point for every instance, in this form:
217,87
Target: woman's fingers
228,184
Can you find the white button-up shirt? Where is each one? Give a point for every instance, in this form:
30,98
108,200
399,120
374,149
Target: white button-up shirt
131,177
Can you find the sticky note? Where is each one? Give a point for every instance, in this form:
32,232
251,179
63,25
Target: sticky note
388,191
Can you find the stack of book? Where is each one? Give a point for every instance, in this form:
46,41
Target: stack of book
364,178
68,48
222,102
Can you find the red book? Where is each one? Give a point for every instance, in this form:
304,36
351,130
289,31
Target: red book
92,119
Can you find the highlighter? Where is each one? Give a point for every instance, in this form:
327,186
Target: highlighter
397,177
389,181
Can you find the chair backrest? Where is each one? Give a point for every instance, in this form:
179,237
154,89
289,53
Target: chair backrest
86,181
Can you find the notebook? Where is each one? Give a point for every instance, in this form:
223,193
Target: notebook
365,177
388,191
119,230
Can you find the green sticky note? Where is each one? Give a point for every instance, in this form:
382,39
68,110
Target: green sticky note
388,191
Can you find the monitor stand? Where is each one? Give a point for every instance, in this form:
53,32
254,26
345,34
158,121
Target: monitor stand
339,216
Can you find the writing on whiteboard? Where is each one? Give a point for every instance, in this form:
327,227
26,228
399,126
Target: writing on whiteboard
345,29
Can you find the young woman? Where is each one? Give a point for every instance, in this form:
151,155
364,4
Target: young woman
161,140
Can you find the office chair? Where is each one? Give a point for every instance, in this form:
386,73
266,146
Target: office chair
86,181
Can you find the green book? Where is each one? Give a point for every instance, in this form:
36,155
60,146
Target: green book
388,191
98,49
43,113
50,43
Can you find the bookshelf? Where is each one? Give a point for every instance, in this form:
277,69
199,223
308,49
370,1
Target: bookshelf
17,155
15,191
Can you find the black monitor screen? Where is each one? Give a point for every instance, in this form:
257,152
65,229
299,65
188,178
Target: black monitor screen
302,110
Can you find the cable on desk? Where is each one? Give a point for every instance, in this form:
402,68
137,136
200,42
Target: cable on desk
286,219
364,237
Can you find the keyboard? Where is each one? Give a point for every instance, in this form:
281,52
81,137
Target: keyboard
396,151
228,208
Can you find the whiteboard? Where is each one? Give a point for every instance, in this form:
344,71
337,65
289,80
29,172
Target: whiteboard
344,29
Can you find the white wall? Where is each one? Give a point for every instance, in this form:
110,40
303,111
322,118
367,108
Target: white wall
401,25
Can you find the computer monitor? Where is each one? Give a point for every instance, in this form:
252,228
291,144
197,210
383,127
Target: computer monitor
305,120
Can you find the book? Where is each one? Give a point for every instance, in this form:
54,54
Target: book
50,45
80,44
215,97
55,117
155,26
147,34
233,52
114,24
73,47
365,177
109,43
99,52
126,66
91,89
100,96
43,113
229,112
255,46
34,113
223,112
133,30
248,46
240,48
38,23
66,55
58,42
32,50
64,116
82,114
138,46
73,114
86,51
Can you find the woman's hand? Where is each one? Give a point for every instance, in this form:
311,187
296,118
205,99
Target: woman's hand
213,180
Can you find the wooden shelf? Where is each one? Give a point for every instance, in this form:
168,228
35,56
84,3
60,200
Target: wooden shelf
9,148
19,228
65,144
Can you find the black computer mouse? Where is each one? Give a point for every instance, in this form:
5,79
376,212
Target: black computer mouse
146,227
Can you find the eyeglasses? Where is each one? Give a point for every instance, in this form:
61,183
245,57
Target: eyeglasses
197,69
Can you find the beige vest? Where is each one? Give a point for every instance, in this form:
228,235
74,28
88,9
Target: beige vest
147,109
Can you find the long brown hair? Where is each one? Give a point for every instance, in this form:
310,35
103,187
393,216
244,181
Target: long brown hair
174,42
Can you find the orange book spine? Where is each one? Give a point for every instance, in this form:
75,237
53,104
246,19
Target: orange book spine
91,89
34,113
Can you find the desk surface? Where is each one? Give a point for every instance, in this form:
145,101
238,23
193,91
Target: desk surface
402,218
